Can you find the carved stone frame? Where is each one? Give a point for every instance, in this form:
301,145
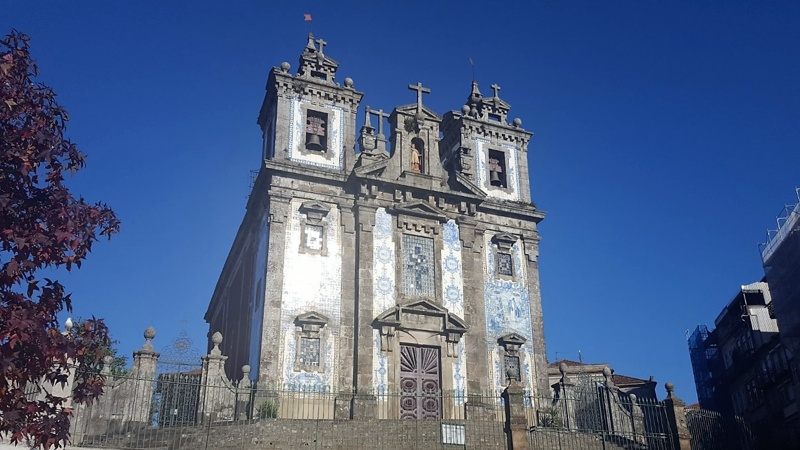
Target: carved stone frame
503,245
509,188
424,323
311,325
418,218
314,213
511,344
329,152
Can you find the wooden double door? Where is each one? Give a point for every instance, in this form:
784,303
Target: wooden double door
420,382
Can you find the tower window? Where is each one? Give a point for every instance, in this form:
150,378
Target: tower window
316,131
505,264
497,168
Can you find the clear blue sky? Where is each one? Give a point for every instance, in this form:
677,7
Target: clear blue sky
666,141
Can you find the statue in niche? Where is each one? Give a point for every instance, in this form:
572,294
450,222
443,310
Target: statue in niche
416,155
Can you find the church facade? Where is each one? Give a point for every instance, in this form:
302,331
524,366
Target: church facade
395,256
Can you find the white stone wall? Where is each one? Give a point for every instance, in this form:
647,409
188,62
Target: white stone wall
311,282
482,173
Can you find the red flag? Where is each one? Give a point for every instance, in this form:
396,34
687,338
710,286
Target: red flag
307,17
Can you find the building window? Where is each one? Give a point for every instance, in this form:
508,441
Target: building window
311,335
505,264
511,365
313,239
308,353
497,169
418,266
316,131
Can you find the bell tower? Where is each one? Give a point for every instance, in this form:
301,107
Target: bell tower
308,118
484,150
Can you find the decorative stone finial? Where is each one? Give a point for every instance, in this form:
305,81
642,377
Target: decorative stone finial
285,66
633,398
606,372
465,109
68,324
517,122
149,334
216,339
348,82
310,44
670,389
245,370
107,360
563,369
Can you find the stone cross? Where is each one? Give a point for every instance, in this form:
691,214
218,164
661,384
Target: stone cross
381,115
420,90
495,88
322,45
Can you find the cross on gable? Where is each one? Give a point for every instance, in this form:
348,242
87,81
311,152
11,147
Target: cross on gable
495,88
420,90
381,115
321,44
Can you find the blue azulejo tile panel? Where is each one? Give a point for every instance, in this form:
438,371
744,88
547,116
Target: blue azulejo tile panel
379,367
508,307
383,288
452,278
383,263
460,374
418,266
311,282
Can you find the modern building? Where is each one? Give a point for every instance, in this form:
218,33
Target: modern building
741,367
780,255
402,256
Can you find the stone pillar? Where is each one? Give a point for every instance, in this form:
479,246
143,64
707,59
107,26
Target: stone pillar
142,379
676,416
516,421
347,331
216,400
565,401
243,395
539,363
269,372
478,367
364,404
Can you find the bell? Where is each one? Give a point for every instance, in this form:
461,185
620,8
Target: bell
494,178
313,142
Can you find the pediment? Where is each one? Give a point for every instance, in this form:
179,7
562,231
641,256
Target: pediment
512,338
411,109
420,209
469,186
504,241
311,317
372,165
401,316
315,211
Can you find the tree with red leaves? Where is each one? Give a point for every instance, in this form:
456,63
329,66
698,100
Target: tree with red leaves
41,226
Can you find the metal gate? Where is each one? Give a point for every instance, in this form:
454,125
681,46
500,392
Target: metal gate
420,371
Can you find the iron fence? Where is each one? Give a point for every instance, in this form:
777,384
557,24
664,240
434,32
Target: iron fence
185,411
596,417
711,430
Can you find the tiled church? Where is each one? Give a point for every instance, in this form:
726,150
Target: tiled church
400,255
